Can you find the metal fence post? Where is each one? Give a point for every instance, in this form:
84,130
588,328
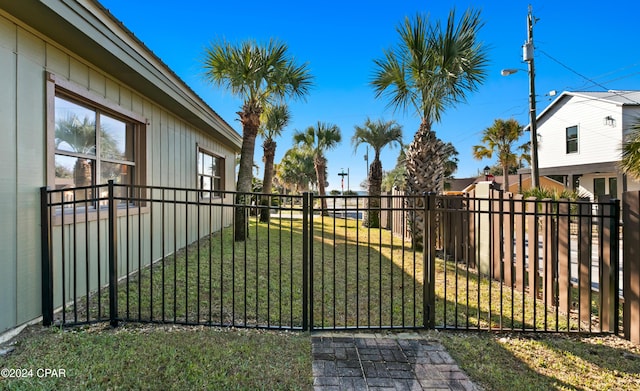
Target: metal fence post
47,261
113,259
307,296
428,257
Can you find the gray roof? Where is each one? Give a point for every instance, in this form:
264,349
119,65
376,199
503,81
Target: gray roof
614,96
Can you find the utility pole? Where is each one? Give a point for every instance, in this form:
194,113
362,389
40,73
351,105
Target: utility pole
527,54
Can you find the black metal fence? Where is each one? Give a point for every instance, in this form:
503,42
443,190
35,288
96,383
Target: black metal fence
168,255
152,254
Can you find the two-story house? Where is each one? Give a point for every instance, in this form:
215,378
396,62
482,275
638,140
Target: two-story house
580,137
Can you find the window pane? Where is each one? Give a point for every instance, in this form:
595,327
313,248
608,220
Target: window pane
205,183
119,173
73,172
113,139
613,187
208,164
599,187
214,166
75,128
572,139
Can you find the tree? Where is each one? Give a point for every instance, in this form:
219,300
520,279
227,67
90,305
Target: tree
259,75
319,139
450,160
630,163
296,169
499,138
275,118
430,70
378,135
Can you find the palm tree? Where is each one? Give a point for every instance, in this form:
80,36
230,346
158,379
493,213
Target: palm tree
259,75
377,134
319,139
499,139
296,169
430,70
451,160
630,163
275,118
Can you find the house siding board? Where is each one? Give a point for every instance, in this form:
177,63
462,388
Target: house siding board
8,179
57,61
25,56
597,142
30,159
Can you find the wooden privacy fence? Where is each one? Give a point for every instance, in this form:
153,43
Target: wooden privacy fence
562,254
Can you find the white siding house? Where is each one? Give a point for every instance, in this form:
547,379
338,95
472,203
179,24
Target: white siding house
580,136
61,58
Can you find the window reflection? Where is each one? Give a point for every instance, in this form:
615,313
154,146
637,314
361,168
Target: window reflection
75,128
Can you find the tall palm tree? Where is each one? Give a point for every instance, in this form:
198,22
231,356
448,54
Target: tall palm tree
319,139
258,74
275,118
431,69
378,134
630,163
499,138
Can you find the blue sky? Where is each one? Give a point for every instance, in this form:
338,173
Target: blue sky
580,46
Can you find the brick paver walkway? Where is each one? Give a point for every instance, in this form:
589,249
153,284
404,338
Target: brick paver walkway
347,361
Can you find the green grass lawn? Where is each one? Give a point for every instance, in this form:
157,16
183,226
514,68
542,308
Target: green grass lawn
153,357
356,280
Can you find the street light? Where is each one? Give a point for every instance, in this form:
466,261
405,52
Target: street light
487,170
527,56
342,174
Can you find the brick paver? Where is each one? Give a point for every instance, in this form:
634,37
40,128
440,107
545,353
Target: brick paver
405,361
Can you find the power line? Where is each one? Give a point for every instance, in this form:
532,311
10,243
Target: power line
585,77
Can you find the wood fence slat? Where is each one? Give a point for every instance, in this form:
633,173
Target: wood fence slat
507,229
532,247
519,231
606,297
584,262
564,251
631,265
549,250
496,234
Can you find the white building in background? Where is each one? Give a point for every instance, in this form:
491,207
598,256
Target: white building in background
580,137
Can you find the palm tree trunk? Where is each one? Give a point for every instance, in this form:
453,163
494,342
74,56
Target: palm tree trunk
505,177
250,120
425,168
375,185
319,163
269,147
